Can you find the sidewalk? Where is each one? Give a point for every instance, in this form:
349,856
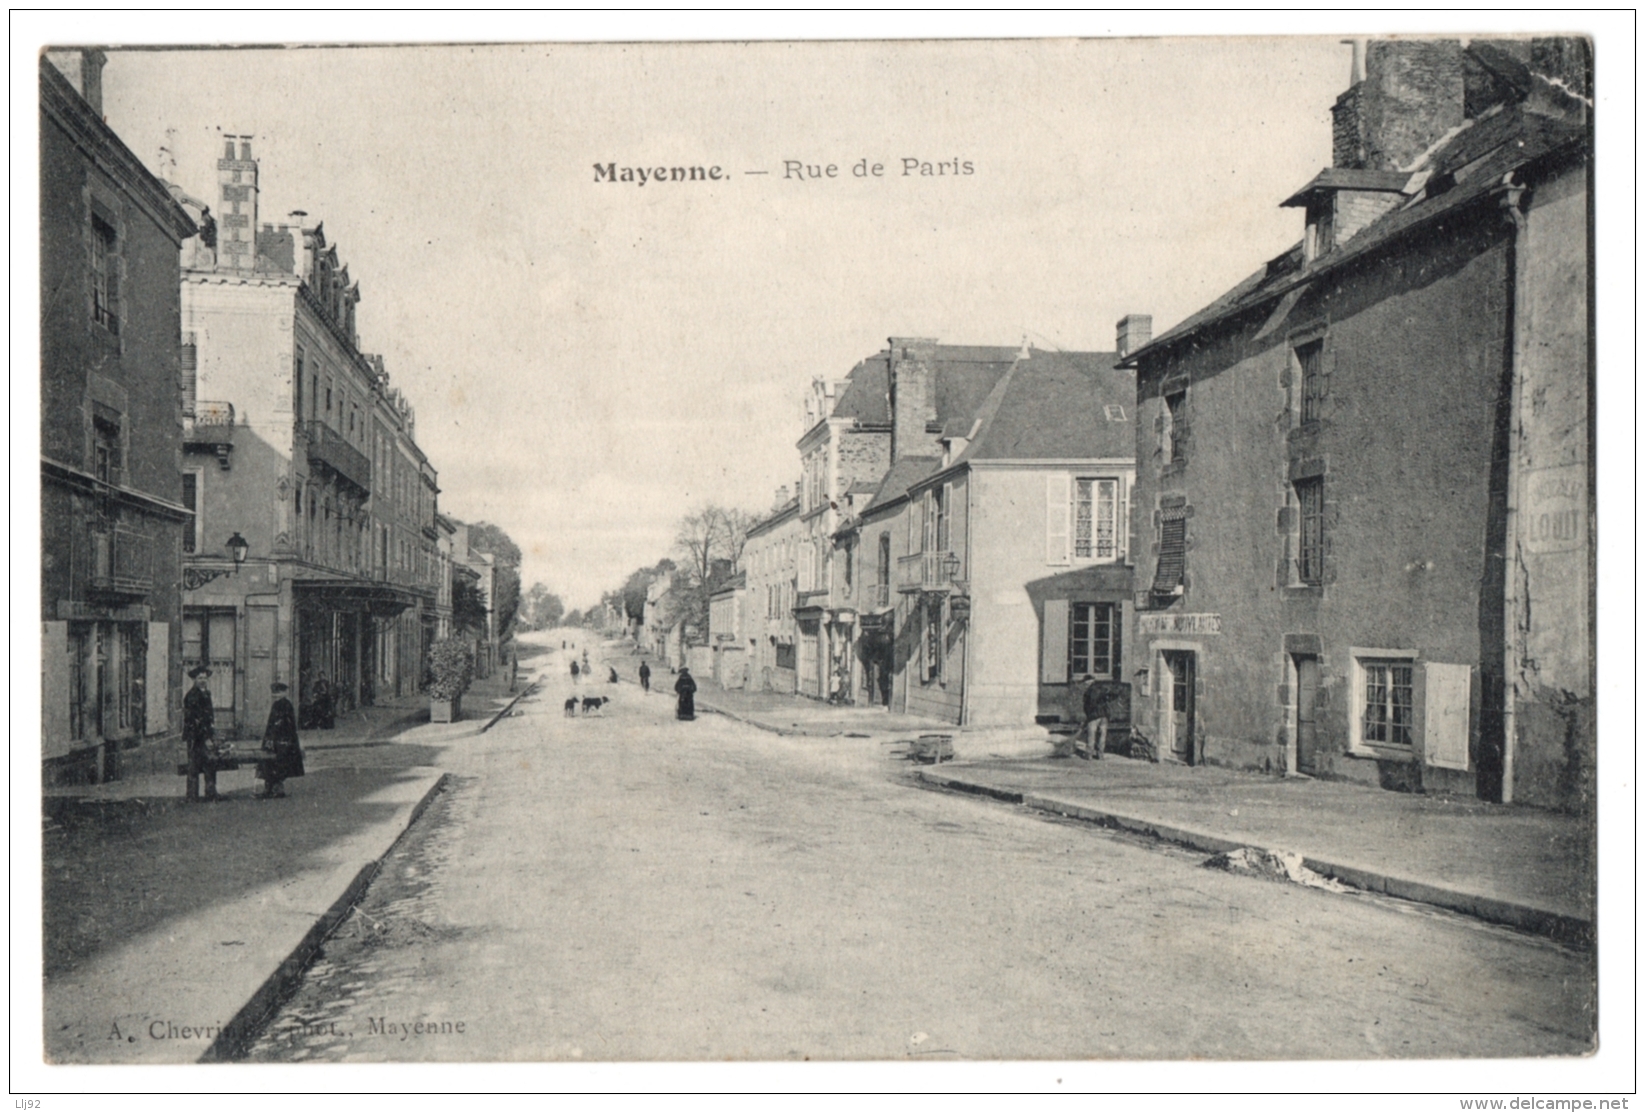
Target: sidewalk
775,711
171,929
1524,867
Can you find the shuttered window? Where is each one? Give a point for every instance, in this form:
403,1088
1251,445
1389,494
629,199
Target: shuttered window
1056,519
1168,575
1093,641
1096,519
157,679
1054,642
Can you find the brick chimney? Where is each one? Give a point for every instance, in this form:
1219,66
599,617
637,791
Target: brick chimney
913,396
237,206
1133,331
1412,93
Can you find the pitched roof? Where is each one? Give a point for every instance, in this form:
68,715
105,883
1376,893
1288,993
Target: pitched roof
906,472
1466,167
867,393
1057,406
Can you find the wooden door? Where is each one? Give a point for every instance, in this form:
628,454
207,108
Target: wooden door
1180,665
1307,666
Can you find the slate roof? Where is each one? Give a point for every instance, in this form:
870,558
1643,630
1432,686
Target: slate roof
866,397
1053,406
1462,170
906,472
965,375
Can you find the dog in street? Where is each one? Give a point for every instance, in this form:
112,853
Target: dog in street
592,704
571,708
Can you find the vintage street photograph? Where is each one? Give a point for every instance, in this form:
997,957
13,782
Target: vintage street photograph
926,551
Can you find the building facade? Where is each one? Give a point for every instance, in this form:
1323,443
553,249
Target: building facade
770,563
113,519
1365,486
297,447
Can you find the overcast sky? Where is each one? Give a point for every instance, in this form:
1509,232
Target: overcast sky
589,360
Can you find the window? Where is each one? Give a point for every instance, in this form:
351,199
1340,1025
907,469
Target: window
105,450
850,566
1311,530
883,573
1096,519
105,274
328,398
1311,371
1176,427
940,499
1093,641
191,500
1173,545
1385,717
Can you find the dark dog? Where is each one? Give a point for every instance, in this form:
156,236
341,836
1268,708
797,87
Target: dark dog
592,704
571,707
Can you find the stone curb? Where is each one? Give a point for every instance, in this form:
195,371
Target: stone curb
509,706
240,1032
1562,928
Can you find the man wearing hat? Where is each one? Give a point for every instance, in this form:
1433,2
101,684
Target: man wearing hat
198,731
285,756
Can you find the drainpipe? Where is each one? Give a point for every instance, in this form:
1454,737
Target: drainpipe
1512,197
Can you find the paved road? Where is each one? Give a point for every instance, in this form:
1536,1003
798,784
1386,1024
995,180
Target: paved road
633,888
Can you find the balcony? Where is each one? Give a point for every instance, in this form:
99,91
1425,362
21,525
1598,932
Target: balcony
328,449
876,596
122,562
930,572
212,431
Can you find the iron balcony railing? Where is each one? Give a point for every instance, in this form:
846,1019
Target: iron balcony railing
327,448
928,572
213,413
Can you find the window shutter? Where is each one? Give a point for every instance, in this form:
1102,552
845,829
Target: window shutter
1445,714
157,679
1173,537
1054,643
1057,501
1122,527
54,689
945,522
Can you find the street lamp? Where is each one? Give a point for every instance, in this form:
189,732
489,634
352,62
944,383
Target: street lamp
950,567
237,548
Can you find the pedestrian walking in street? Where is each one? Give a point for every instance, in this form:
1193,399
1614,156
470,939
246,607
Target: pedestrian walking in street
575,672
686,689
645,678
199,730
285,754
613,669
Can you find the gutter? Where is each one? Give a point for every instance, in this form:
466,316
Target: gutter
1511,195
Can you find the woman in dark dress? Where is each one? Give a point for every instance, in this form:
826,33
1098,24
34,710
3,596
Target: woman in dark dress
280,743
686,689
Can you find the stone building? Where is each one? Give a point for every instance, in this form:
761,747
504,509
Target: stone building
990,567
112,515
770,565
1364,498
297,447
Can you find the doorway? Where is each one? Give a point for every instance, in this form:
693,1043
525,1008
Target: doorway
1179,697
1304,728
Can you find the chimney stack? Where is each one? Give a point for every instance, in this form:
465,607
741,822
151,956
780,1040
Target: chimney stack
781,497
237,206
1410,94
913,396
1133,331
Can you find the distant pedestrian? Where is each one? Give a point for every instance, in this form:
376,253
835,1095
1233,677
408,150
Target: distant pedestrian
645,678
280,743
613,669
686,689
199,730
575,672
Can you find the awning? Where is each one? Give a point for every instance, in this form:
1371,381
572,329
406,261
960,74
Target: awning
381,600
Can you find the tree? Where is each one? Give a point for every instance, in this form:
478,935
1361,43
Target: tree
574,618
711,542
634,588
484,537
542,609
468,607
